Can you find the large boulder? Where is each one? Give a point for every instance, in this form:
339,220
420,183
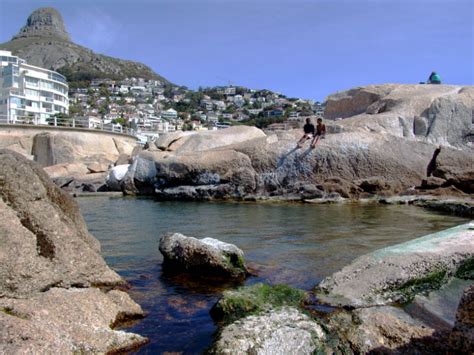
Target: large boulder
45,240
50,268
206,256
396,274
440,114
51,148
214,139
115,176
285,331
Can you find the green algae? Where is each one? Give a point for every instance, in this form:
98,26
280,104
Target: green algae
466,270
11,312
254,300
431,281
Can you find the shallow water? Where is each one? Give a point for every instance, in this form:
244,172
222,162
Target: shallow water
295,244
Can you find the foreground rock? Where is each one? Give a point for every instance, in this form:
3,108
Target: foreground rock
401,299
395,274
207,257
49,266
286,331
66,321
255,299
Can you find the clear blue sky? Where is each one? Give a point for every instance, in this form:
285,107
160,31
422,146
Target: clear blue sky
303,48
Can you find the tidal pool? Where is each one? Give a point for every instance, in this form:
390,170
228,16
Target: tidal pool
295,244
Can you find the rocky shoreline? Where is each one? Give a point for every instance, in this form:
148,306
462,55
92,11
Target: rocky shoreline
399,299
57,295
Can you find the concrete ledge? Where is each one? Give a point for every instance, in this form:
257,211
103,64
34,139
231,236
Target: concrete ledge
44,128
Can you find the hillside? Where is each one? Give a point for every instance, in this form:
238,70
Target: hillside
44,42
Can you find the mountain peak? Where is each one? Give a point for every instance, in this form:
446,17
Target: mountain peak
44,22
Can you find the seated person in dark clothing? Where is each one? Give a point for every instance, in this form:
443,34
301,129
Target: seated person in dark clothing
308,132
320,132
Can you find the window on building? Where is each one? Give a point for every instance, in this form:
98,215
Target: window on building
31,92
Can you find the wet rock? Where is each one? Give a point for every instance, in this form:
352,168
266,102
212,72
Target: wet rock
462,337
206,256
286,331
115,176
463,207
395,274
258,298
379,185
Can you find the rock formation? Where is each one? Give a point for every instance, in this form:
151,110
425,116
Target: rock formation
44,22
44,42
285,331
395,274
50,271
367,154
439,114
206,257
400,299
77,161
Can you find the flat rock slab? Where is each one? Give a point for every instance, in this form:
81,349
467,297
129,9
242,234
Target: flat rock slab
206,257
66,321
397,273
286,331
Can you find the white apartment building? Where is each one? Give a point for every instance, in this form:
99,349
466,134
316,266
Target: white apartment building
30,94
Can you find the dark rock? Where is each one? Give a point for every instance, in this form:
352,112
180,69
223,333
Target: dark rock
461,338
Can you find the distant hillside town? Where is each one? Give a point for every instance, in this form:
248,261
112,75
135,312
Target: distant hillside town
151,105
48,79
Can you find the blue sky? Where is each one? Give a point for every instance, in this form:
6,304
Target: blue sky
301,48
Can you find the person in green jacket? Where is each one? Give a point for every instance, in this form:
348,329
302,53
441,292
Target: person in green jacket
434,78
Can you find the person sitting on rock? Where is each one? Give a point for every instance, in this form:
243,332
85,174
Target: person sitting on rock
308,132
320,132
434,78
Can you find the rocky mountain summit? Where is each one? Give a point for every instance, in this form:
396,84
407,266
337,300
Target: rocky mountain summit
44,42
